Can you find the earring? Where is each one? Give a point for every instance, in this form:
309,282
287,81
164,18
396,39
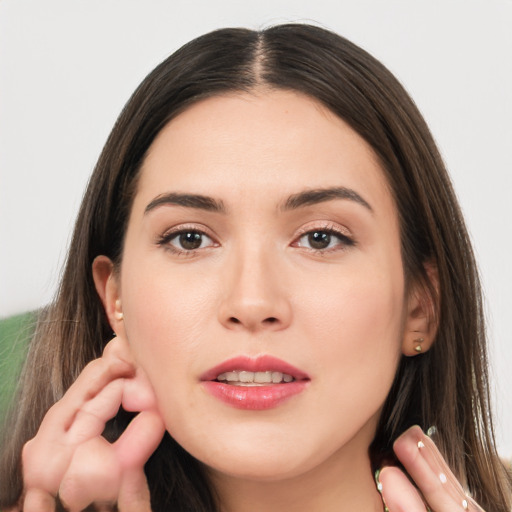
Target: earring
418,342
118,313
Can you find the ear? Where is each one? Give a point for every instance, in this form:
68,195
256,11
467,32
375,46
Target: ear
107,286
138,393
422,315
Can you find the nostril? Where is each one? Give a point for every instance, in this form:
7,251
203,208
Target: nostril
270,320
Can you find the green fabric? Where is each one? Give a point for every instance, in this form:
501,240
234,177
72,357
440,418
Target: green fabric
15,333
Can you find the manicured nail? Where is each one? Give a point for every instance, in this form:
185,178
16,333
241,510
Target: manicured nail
379,488
377,481
432,431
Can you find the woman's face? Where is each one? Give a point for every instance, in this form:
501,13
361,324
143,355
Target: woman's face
263,239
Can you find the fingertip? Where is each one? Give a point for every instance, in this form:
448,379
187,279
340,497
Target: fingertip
398,493
407,444
121,368
138,394
414,432
116,348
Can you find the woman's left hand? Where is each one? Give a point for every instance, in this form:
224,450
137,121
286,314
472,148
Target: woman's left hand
435,485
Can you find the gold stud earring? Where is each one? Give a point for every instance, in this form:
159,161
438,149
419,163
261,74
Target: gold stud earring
118,313
418,342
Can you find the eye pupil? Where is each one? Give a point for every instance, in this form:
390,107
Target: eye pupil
319,239
190,240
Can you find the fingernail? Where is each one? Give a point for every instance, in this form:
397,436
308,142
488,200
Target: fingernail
432,431
443,478
377,481
379,488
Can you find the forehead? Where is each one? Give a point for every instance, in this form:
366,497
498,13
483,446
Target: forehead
268,142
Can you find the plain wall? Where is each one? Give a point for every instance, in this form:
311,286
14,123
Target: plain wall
68,66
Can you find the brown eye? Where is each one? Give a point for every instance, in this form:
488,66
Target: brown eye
324,240
189,240
319,239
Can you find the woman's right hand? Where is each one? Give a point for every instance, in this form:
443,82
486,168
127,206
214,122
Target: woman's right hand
69,460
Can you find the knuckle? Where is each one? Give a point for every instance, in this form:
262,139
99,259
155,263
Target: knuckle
69,492
94,366
88,482
27,452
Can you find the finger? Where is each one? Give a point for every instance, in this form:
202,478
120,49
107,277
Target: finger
46,459
91,418
93,476
426,466
37,500
93,378
138,393
398,493
134,492
140,439
43,465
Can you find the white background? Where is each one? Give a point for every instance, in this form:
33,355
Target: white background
68,66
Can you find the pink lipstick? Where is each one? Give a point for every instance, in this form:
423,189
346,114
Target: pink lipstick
254,383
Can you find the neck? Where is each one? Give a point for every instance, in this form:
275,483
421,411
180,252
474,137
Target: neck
342,483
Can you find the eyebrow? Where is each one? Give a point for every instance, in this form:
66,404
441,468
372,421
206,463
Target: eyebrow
321,195
197,201
295,201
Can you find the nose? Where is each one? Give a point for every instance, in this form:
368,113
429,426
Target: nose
254,294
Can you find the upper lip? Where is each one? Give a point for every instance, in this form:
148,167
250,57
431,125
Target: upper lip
254,364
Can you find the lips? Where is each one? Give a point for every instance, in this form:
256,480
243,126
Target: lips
264,363
258,383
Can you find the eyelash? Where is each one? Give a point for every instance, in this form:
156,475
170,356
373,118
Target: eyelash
166,238
344,241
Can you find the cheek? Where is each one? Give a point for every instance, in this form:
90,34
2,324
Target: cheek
361,306
355,323
166,316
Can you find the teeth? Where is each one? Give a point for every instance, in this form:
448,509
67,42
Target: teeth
243,378
263,377
246,377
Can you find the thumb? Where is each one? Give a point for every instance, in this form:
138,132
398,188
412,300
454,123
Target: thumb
139,440
134,492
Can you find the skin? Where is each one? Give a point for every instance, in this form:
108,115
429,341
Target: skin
255,286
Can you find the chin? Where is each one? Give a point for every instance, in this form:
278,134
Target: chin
259,469
261,458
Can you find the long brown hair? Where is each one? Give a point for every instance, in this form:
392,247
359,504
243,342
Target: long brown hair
446,387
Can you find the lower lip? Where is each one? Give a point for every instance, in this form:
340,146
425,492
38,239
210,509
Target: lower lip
254,398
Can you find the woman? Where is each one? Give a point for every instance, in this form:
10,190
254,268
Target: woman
272,236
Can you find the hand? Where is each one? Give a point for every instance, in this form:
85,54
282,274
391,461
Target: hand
70,459
437,488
